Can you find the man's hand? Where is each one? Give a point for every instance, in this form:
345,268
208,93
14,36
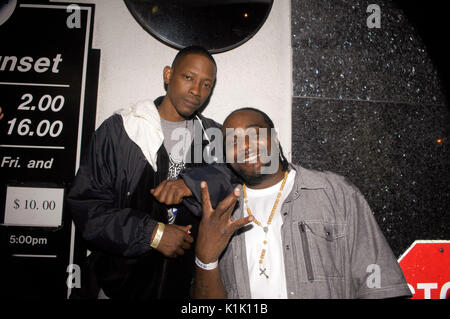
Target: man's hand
171,192
215,231
175,240
216,226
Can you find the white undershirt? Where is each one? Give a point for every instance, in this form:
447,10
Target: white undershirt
261,202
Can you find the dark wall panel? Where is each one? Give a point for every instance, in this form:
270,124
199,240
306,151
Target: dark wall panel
369,104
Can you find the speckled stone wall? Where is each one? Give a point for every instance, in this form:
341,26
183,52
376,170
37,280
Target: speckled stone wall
368,104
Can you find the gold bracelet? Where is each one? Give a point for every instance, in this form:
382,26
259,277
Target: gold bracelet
158,236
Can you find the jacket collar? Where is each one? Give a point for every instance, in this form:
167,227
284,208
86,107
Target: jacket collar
142,124
305,179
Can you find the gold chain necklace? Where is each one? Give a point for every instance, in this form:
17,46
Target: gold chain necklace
269,221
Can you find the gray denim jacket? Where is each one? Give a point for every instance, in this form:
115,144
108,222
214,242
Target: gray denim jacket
332,245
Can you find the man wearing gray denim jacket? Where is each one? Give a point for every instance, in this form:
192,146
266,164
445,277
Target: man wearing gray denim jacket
329,244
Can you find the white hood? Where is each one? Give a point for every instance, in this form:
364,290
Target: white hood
143,125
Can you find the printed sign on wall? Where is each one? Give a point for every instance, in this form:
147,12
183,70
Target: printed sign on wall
48,82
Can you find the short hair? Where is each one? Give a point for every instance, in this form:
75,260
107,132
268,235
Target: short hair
266,117
193,49
269,122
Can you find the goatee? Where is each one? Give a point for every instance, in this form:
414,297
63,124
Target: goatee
250,179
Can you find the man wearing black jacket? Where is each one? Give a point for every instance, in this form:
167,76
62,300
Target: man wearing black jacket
140,246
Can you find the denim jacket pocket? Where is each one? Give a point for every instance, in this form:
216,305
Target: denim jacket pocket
322,249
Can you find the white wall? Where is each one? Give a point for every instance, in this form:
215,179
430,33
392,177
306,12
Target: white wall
258,73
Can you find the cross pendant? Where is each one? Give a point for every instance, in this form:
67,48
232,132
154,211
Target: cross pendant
263,272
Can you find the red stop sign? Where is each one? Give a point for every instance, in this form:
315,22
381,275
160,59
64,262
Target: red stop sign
426,265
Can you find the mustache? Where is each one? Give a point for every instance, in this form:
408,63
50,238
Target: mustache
253,155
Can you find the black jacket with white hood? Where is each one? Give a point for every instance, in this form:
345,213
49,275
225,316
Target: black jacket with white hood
113,209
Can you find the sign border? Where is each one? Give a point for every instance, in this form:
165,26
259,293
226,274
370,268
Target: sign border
422,241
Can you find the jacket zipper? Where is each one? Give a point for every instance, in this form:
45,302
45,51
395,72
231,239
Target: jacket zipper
306,252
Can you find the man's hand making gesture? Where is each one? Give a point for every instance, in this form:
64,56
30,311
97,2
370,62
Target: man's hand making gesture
215,231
